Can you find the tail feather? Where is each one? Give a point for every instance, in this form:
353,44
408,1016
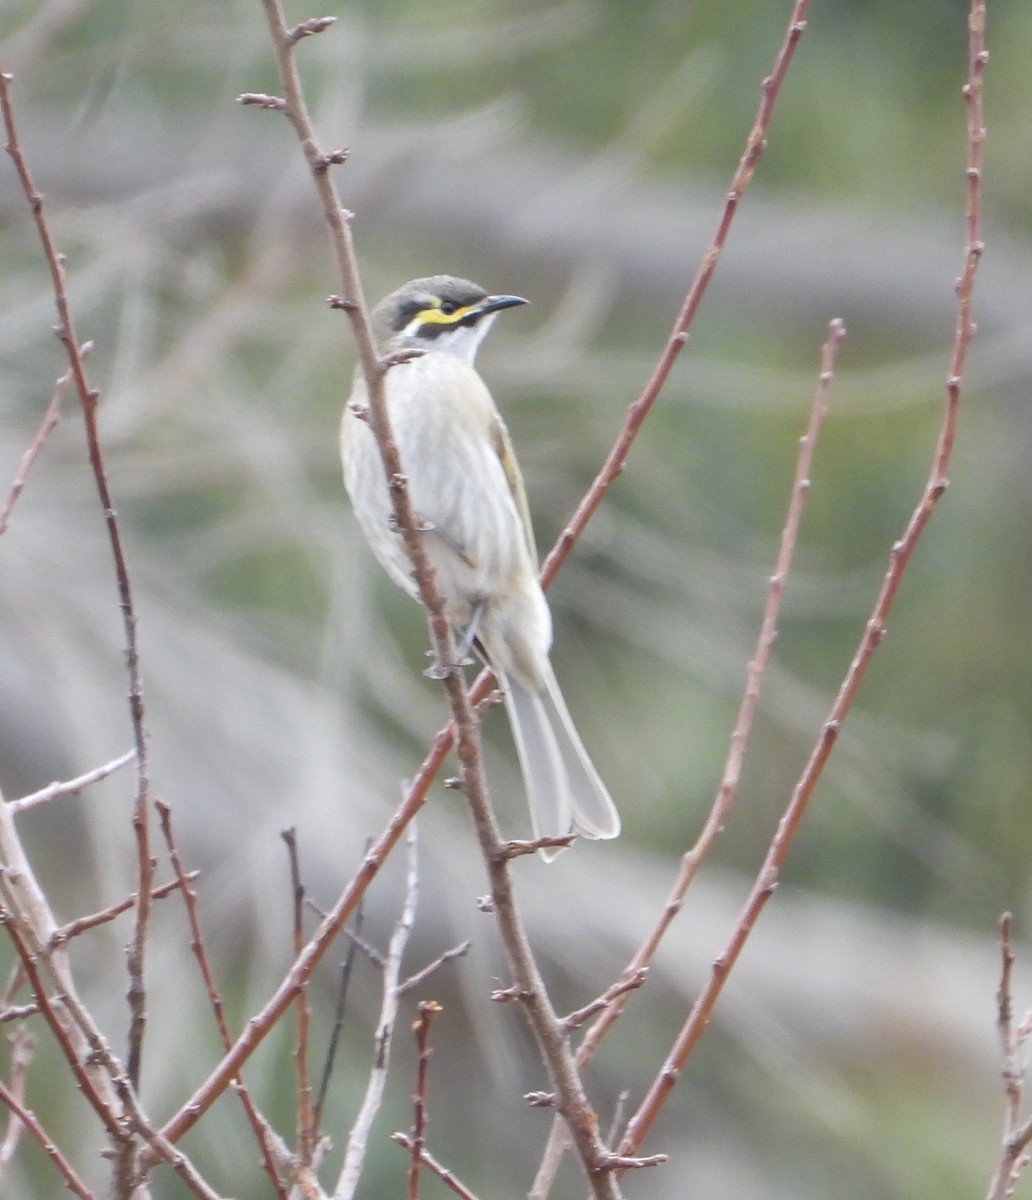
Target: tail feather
564,790
594,813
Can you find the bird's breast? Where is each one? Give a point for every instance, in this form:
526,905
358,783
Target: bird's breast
443,418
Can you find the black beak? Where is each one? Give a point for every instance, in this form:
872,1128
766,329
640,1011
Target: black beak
492,304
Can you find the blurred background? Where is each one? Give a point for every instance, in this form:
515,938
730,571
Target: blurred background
578,154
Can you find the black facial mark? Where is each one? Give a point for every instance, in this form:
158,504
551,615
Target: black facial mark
407,311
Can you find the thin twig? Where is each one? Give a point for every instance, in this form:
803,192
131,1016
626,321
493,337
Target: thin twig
310,27
728,789
338,1015
420,977
639,410
554,1046
359,943
262,1130
628,982
1017,1136
259,1025
29,921
51,416
23,1047
29,1121
755,144
305,1124
447,1177
619,1117
262,100
875,628
18,1013
428,1009
1013,1074
70,787
73,929
30,959
88,401
122,1117
26,916
358,1137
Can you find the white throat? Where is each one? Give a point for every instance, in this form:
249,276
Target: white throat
463,341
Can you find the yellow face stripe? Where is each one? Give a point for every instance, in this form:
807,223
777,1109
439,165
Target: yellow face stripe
437,316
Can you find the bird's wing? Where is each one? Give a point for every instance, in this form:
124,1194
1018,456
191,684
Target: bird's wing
503,448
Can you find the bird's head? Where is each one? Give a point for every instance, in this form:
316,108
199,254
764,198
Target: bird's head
437,313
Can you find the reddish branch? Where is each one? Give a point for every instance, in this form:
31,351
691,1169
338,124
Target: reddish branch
81,924
21,1117
875,628
552,1041
30,956
88,397
263,1134
447,1177
640,409
755,144
47,426
428,1009
463,730
97,1072
635,970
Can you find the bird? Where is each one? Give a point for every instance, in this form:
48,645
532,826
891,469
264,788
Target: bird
470,504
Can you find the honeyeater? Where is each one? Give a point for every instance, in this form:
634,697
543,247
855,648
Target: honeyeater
468,498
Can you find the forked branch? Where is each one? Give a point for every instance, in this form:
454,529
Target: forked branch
874,631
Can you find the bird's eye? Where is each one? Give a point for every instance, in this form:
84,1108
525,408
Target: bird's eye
448,307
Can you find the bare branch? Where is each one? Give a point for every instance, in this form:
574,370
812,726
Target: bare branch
47,426
342,994
261,100
368,949
755,144
22,1118
1013,1074
420,977
443,1174
428,1009
310,27
53,1011
358,1138
71,787
262,1022
264,1135
307,1131
875,628
23,1046
728,788
628,983
18,1013
88,400
1017,1135
554,1046
81,924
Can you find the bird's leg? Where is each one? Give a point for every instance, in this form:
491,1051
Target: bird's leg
462,647
465,643
439,670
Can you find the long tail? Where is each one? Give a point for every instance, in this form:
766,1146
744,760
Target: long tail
564,790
